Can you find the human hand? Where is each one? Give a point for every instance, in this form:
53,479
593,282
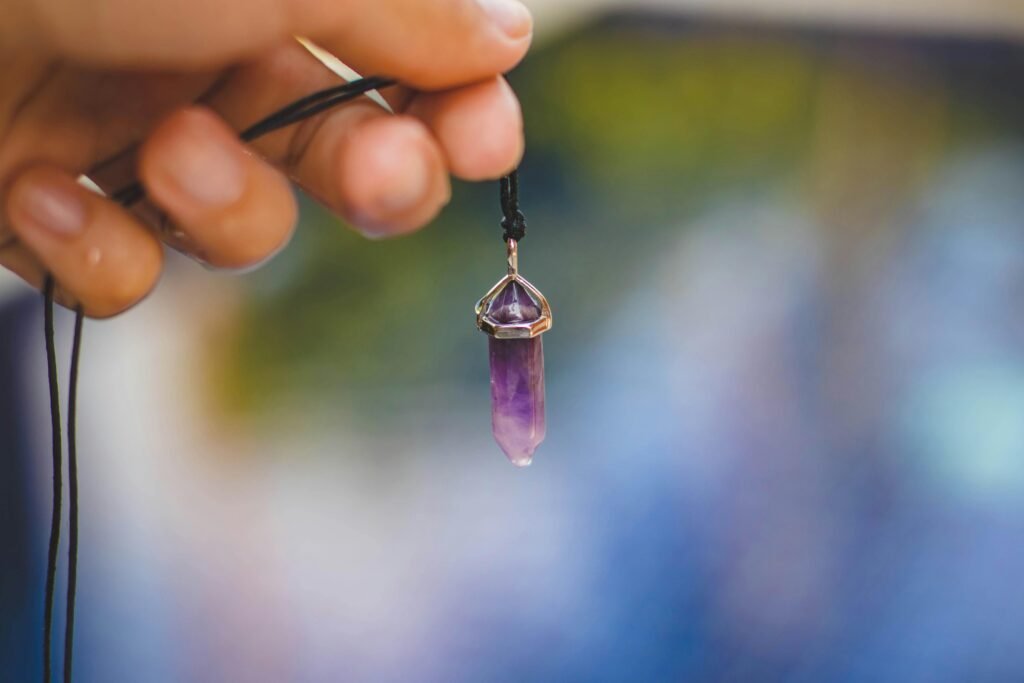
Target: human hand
156,89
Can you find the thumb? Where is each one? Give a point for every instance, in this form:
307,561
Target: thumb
425,43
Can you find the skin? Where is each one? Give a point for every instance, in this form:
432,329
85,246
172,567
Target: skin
156,90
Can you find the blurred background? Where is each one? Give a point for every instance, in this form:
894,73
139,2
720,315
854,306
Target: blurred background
784,243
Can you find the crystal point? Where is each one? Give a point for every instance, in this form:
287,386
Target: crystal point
513,304
517,378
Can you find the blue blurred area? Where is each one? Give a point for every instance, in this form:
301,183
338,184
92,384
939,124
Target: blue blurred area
20,568
785,394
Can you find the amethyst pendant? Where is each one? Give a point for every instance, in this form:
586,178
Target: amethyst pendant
514,313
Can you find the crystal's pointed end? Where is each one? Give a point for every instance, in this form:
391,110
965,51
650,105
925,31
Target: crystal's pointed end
518,458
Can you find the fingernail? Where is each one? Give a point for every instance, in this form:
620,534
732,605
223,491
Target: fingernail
204,168
51,204
511,16
370,227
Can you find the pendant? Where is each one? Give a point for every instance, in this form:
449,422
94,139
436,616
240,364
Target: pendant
514,314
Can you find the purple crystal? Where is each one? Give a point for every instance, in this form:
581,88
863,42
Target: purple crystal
517,378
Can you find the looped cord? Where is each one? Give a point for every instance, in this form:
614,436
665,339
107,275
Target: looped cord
513,222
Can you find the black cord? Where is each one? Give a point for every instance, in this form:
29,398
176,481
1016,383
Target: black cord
313,104
51,562
301,109
69,624
513,222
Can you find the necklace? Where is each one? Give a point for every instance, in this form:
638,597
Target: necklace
514,313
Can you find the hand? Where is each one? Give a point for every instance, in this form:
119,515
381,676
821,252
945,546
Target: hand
156,90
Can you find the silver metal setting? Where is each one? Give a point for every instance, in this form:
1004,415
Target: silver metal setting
525,330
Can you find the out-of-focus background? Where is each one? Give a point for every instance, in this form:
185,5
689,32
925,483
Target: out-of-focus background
784,242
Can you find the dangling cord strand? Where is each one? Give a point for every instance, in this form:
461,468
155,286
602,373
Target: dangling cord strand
299,110
69,624
55,518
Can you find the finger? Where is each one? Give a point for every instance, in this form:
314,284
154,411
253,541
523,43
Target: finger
234,209
479,127
384,173
96,251
435,44
256,89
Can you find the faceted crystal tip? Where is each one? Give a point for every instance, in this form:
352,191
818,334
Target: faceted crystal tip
514,305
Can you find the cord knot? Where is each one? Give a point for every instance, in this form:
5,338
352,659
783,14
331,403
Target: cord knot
514,226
